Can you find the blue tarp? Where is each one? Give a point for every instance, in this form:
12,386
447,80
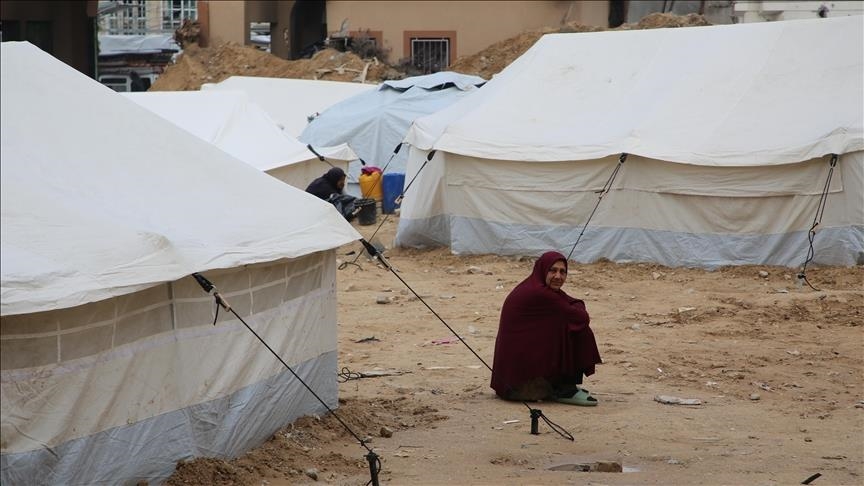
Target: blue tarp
375,122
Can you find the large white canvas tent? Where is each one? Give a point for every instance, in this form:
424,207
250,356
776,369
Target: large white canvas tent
374,122
111,369
291,101
229,120
729,131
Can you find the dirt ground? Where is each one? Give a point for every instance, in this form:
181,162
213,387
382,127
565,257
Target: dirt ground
778,368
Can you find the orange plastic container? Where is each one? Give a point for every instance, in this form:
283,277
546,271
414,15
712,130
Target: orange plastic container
371,185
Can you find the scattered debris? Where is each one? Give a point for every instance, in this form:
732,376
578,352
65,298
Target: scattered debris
198,65
684,310
383,299
508,422
367,340
793,352
657,275
670,400
598,466
439,341
763,274
379,373
386,432
312,473
754,396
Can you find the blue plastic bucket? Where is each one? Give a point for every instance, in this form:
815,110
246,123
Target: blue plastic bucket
392,188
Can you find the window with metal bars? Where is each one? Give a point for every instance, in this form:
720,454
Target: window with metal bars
129,19
429,54
174,12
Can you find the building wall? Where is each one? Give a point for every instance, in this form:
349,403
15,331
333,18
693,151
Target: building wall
477,24
71,27
227,22
762,11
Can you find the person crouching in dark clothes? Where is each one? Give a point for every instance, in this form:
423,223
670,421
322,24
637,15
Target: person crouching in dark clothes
329,188
544,345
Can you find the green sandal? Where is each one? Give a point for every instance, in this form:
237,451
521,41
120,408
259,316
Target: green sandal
580,398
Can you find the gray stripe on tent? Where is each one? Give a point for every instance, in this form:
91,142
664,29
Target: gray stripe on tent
834,246
149,450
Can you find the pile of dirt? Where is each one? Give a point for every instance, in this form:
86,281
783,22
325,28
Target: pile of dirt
301,446
198,65
188,33
496,57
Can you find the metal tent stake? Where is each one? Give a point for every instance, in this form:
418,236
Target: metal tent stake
374,462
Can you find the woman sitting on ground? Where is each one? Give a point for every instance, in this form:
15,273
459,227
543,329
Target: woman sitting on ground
544,344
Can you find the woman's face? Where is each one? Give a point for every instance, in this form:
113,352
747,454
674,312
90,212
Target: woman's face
341,184
556,275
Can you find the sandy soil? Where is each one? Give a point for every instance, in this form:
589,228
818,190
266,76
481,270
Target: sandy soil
778,368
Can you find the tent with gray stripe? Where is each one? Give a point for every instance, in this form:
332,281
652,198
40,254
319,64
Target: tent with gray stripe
111,367
729,133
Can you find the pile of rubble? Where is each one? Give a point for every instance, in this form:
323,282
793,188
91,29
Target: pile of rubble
199,65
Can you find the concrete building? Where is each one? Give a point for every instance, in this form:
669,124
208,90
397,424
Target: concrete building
65,29
141,17
435,31
769,11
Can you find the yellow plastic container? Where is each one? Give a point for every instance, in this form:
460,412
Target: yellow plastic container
371,186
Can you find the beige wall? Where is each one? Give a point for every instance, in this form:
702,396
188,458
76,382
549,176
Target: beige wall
477,24
227,22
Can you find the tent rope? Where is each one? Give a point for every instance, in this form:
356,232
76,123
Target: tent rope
374,461
602,192
398,200
320,157
535,413
375,184
817,220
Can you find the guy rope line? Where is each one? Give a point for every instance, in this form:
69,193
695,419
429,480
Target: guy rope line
602,192
375,184
535,413
398,201
320,157
817,219
371,456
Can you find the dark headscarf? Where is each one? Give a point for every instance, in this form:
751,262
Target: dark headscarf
326,185
543,333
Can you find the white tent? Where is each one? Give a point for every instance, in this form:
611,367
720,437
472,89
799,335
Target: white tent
728,131
111,370
374,122
238,126
291,101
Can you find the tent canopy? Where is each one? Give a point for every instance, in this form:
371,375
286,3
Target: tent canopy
229,120
291,101
373,123
101,197
748,94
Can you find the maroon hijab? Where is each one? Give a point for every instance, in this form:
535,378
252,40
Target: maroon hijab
543,333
